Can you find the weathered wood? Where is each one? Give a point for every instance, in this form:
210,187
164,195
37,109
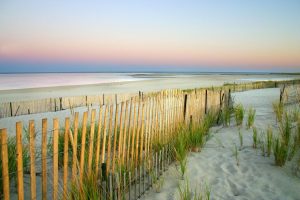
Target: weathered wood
83,141
205,111
98,141
142,133
75,139
55,158
91,142
11,110
32,160
129,132
44,158
104,135
133,133
20,182
108,161
115,137
184,106
124,148
66,157
137,135
4,157
120,141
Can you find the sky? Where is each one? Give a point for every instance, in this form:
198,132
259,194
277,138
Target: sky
155,35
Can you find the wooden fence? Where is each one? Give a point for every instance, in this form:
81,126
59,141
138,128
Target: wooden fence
124,146
290,94
10,109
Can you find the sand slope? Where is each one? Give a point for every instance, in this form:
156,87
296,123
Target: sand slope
256,177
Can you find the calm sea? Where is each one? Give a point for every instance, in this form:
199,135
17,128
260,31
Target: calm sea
39,80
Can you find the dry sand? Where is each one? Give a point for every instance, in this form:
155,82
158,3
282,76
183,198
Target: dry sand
256,177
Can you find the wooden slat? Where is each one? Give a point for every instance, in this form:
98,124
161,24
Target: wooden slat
98,141
83,138
66,157
130,122
4,157
55,158
32,160
91,141
120,141
115,137
74,149
123,149
142,132
109,140
20,181
44,159
104,134
137,134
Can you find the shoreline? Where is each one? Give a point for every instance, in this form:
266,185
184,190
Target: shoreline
154,83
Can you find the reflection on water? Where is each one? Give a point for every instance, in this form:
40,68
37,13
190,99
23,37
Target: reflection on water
38,80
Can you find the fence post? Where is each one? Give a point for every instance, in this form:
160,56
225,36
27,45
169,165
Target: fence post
91,141
184,106
32,159
66,156
44,159
228,100
55,158
60,103
4,156
205,102
74,159
20,181
11,111
83,139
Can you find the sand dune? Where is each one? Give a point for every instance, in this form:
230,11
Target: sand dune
256,177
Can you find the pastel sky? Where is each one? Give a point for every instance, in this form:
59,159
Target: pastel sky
150,35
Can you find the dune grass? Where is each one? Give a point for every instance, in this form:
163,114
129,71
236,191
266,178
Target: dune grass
241,138
180,150
196,138
285,129
254,137
12,159
239,113
89,188
226,115
278,109
280,150
251,117
187,193
269,140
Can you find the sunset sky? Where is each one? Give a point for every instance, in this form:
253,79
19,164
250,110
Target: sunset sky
150,35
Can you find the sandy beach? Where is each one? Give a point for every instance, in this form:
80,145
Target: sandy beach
256,177
154,82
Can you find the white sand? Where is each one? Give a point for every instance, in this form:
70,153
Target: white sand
256,177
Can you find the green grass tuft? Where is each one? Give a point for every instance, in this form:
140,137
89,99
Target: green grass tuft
251,117
254,136
239,113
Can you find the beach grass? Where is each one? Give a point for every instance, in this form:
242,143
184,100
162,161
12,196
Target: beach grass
280,150
239,113
278,109
251,117
254,137
12,159
269,140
